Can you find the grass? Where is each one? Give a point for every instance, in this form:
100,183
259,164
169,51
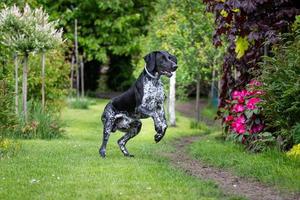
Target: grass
271,167
70,168
80,103
209,112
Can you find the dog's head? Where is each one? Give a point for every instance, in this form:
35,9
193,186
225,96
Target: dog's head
161,62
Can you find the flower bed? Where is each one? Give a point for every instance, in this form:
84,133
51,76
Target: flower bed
242,118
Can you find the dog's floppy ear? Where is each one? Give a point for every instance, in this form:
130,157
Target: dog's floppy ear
150,61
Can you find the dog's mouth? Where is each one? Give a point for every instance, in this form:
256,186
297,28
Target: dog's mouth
166,73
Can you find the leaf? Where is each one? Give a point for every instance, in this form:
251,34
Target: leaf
241,45
256,111
224,13
236,10
240,138
249,113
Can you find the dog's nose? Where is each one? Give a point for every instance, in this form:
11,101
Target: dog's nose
174,67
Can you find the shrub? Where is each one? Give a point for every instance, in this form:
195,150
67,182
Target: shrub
294,152
201,126
7,114
78,103
8,147
296,133
41,124
243,121
280,74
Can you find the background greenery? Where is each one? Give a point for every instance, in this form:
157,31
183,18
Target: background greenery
280,74
117,34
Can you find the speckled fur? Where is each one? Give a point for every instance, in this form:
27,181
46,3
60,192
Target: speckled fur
151,106
144,99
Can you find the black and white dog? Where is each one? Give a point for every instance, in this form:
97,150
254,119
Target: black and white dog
145,98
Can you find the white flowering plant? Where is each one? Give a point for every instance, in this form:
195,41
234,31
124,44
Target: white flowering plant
28,30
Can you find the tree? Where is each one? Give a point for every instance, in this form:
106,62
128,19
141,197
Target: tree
104,27
183,28
250,26
25,32
172,98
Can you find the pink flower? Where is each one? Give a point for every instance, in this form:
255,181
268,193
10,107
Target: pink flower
228,118
259,92
251,104
238,125
241,119
255,83
235,94
244,93
256,92
239,95
238,108
239,128
256,128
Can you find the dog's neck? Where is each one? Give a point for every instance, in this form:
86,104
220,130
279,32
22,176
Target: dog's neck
157,76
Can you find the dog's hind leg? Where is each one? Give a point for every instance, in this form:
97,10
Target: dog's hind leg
107,129
135,128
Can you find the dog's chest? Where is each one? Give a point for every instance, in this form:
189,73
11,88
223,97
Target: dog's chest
153,94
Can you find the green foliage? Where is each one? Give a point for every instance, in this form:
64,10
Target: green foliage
200,126
41,124
8,148
57,74
294,153
241,45
281,77
296,133
7,115
263,141
104,27
56,78
79,103
209,112
183,29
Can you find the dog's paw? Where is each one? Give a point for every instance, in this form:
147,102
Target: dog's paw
158,137
102,153
128,155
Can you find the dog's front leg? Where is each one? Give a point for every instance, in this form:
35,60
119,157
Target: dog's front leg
160,124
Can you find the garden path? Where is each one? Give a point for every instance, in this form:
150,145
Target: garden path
226,180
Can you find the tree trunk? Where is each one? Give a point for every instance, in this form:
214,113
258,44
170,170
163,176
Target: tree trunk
77,60
24,87
214,89
198,98
172,98
212,83
16,84
82,77
43,80
72,75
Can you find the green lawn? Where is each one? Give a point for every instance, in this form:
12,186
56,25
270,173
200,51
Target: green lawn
271,167
70,168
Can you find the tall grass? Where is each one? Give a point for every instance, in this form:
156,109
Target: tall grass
41,124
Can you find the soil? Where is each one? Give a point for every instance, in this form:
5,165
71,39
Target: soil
226,180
